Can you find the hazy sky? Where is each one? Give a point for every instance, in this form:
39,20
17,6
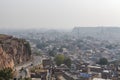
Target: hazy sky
58,13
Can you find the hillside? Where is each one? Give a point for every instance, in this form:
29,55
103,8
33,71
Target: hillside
13,51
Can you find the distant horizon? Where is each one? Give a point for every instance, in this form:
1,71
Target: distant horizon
38,28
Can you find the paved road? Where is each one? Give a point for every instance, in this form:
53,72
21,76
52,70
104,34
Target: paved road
37,60
23,66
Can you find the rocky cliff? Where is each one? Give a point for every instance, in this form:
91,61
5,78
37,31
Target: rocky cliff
13,51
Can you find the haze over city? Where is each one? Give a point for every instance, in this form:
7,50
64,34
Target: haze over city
64,14
59,39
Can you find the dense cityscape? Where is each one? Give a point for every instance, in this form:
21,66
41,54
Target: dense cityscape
69,55
59,39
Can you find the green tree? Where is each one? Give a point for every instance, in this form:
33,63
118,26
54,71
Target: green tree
59,59
6,74
41,45
103,61
61,49
52,52
67,62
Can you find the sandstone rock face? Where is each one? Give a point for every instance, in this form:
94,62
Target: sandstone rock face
13,51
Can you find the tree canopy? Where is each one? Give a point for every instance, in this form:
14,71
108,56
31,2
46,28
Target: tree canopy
67,62
59,59
52,52
6,74
103,61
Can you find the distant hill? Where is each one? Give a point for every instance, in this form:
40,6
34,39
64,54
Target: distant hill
103,33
